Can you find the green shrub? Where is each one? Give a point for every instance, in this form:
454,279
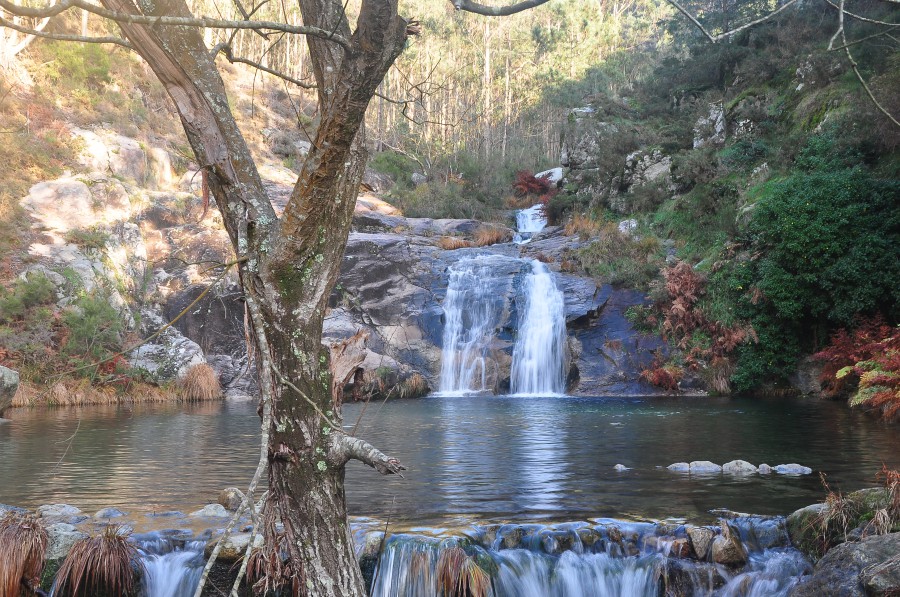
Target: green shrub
826,247
622,260
77,65
36,289
744,154
95,328
396,165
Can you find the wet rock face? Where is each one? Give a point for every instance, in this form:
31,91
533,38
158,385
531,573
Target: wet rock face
867,567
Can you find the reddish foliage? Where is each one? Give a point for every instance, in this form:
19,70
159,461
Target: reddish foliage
846,349
871,356
682,316
526,184
665,377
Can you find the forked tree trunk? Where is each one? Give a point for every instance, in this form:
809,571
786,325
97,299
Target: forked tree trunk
290,264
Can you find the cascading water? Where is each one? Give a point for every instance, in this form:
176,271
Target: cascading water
613,559
539,355
171,568
472,309
528,223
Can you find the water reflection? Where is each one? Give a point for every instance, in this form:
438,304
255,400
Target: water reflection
469,458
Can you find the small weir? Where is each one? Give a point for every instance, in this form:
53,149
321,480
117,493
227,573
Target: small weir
615,559
539,355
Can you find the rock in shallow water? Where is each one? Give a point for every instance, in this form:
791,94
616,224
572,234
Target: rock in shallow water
109,513
701,538
234,547
9,383
211,511
231,498
679,467
705,467
739,467
621,468
792,469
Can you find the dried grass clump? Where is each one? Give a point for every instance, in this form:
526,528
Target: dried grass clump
78,392
451,243
491,235
23,541
835,518
413,386
101,566
460,576
583,226
199,383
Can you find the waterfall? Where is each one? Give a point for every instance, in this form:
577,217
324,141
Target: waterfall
539,355
473,309
172,568
528,222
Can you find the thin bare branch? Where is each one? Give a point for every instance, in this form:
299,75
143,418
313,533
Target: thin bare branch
860,17
65,37
121,17
496,11
693,20
855,66
731,32
225,49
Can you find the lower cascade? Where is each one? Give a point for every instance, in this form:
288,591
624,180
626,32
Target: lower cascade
172,568
539,355
610,560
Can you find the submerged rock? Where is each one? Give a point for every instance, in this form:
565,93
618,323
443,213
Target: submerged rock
109,513
54,510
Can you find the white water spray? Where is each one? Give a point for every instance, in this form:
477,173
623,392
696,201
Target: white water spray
472,309
539,355
528,223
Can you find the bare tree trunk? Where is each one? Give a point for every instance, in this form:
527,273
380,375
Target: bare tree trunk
290,265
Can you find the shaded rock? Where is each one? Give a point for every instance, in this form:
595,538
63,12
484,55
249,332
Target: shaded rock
685,578
710,129
231,498
234,546
701,539
792,469
803,529
704,467
211,511
9,384
867,567
739,467
807,379
61,537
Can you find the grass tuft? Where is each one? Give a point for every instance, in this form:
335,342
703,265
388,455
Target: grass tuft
200,383
23,542
451,243
101,566
491,235
460,575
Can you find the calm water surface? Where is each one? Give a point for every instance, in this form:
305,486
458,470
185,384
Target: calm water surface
470,459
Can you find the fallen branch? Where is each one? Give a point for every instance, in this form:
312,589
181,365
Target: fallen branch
344,448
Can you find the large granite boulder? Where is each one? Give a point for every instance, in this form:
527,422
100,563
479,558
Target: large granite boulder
9,383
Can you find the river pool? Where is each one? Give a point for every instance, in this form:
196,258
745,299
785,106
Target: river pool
470,459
